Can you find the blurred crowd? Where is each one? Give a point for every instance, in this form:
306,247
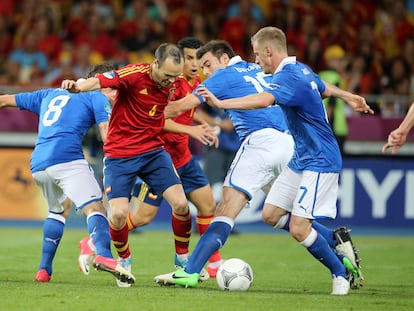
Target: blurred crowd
45,41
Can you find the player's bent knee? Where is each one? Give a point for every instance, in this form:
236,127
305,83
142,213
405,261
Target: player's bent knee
180,207
94,207
268,219
119,216
271,214
206,210
298,233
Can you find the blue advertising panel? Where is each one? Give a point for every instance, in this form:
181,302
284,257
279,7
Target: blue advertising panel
377,192
373,192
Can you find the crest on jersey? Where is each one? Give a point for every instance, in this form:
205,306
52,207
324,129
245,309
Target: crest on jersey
109,74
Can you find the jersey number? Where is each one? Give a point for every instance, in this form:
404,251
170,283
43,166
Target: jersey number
257,82
54,109
153,111
304,191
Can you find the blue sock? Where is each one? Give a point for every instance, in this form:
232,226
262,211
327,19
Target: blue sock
321,250
211,240
98,228
325,232
52,234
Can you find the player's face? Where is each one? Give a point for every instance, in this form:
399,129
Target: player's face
262,58
190,70
209,64
166,74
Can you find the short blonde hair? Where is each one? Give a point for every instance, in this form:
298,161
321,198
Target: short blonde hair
271,35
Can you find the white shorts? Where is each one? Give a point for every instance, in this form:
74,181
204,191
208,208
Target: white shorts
74,180
308,194
259,160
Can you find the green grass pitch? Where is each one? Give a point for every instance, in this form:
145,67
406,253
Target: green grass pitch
286,277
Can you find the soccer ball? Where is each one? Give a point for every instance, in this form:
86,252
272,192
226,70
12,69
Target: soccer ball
234,275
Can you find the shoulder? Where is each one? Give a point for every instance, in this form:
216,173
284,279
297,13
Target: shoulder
93,98
49,93
133,69
95,94
218,76
180,81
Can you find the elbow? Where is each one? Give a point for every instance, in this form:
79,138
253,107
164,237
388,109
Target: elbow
326,93
264,104
265,100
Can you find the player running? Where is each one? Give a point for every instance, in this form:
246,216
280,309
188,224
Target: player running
59,167
196,186
263,155
134,147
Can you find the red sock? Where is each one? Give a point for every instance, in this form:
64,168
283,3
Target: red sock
202,223
181,225
120,240
130,224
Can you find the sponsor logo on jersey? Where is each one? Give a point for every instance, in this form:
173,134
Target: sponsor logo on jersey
109,74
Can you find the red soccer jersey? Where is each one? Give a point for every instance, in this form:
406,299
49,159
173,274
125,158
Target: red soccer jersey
137,117
177,144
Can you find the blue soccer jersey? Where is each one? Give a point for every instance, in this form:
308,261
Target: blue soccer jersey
64,119
298,90
230,82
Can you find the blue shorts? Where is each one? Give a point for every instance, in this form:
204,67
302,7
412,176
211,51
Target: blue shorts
192,178
155,168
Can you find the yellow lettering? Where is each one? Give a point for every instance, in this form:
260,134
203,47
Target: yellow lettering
153,111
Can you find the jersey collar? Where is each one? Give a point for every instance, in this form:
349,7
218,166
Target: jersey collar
286,61
234,60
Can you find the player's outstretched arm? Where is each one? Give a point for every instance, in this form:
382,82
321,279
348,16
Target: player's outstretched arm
253,101
7,101
176,107
202,132
398,137
89,84
357,102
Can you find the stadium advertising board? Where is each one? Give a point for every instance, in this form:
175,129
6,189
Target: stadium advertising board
373,192
20,197
377,192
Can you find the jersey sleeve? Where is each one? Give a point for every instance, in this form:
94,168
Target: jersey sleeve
320,83
31,101
216,84
282,89
100,107
200,98
109,79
